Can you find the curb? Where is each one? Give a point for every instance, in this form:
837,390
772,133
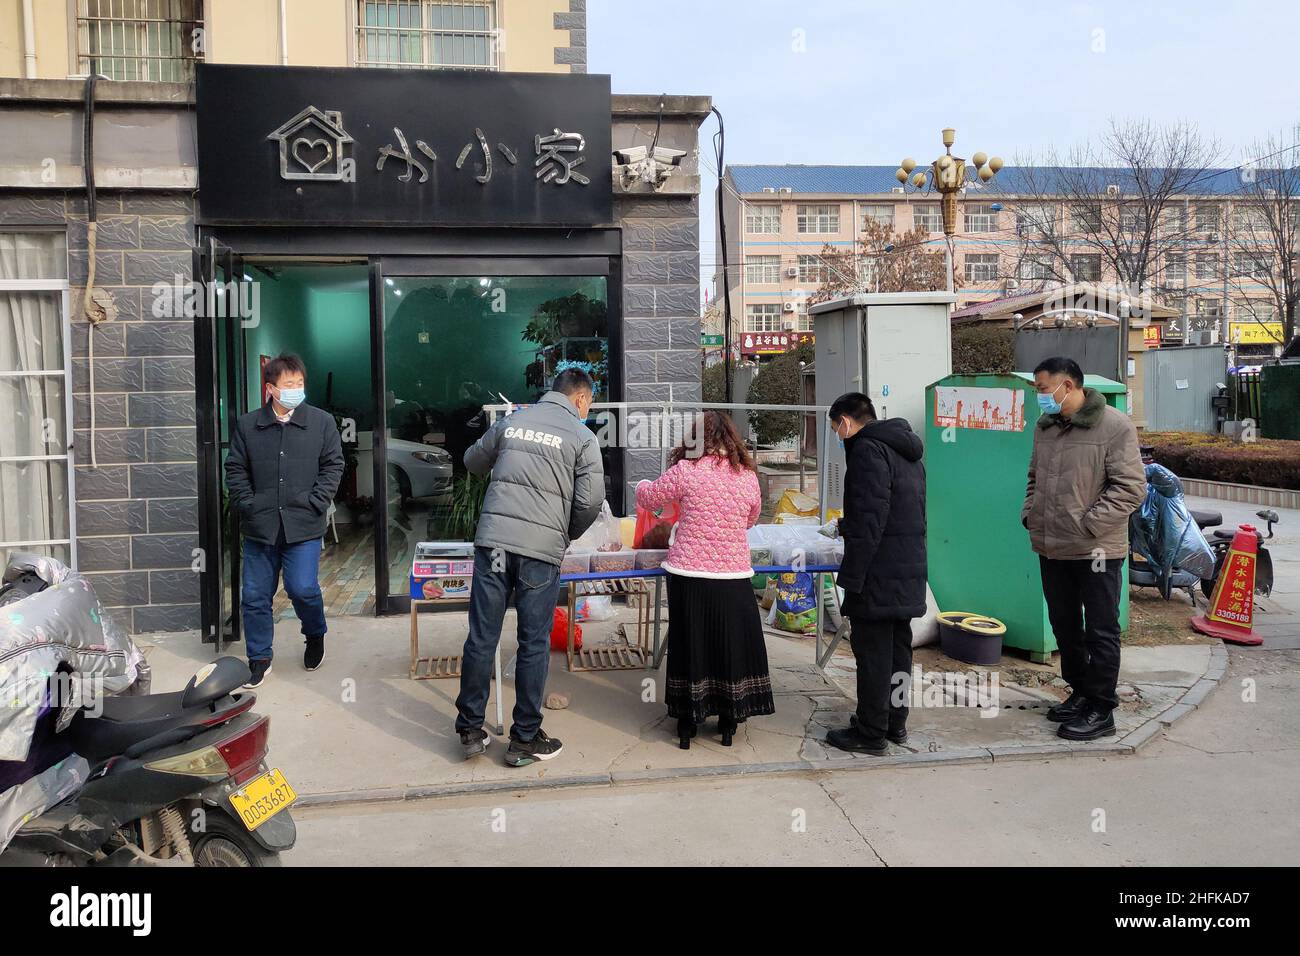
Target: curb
1127,745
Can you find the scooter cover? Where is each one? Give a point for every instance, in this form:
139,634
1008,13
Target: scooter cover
63,625
1162,530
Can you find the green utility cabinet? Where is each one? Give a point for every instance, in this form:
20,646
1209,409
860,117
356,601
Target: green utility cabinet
979,432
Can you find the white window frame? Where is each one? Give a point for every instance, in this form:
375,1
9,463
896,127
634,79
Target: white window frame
813,269
927,216
979,217
881,213
760,214
968,266
146,63
62,287
1207,217
770,311
817,216
1090,258
1034,269
426,34
762,269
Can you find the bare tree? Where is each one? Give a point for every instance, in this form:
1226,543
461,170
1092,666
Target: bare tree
1263,237
1115,210
880,262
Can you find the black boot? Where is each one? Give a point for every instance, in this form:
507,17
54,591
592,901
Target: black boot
685,731
726,727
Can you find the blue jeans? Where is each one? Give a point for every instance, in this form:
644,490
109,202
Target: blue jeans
535,586
262,565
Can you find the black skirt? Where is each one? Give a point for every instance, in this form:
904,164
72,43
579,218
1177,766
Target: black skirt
717,661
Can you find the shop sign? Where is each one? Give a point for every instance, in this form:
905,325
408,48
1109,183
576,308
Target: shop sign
1255,333
772,343
299,145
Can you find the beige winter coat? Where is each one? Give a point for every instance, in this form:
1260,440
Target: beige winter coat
1085,479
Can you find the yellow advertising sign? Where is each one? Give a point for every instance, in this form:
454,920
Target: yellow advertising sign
1255,333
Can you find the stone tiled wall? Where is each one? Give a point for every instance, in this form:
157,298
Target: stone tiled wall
575,21
661,313
136,514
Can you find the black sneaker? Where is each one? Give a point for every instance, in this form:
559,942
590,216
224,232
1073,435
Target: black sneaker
849,739
524,752
1068,709
258,670
315,652
1089,725
474,742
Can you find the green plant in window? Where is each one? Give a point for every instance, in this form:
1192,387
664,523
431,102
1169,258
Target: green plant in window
467,493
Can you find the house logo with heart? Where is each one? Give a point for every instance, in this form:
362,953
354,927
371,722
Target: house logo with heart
313,146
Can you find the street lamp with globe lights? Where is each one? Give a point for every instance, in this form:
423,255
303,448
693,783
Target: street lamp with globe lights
948,177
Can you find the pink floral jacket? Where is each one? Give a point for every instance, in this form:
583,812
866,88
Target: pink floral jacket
718,504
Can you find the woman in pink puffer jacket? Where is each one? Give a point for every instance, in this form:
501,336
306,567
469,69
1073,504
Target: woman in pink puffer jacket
717,662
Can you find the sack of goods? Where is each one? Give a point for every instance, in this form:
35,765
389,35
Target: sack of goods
796,603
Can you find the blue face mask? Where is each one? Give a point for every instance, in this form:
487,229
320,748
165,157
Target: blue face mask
841,441
292,397
1048,403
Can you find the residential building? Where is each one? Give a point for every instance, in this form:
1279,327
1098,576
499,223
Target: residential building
430,240
780,218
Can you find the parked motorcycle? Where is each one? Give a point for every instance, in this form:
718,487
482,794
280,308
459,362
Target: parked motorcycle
153,779
1221,543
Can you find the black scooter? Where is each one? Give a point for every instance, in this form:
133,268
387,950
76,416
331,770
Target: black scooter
1220,541
175,779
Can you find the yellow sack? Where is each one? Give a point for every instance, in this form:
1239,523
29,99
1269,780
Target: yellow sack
796,503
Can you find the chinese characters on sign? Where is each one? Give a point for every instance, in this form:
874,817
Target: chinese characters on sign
768,343
1238,588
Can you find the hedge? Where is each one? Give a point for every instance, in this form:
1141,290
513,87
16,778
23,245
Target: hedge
980,350
1269,463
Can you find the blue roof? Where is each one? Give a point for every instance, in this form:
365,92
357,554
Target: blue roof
877,180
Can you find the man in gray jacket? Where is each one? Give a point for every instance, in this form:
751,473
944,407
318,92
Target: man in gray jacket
547,488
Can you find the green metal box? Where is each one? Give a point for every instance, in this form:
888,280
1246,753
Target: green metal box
979,432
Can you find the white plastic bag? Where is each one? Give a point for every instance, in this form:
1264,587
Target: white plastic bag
603,535
596,608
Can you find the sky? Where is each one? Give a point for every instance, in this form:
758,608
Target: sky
866,82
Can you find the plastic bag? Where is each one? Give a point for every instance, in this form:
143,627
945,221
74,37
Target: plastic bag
796,503
654,528
796,603
559,632
595,608
603,535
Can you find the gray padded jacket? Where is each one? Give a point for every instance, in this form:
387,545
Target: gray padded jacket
547,480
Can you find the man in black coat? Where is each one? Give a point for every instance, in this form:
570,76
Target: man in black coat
884,570
284,466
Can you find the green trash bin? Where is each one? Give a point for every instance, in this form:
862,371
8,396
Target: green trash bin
979,432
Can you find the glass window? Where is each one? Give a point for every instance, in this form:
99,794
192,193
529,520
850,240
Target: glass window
1207,218
1175,266
1035,219
980,217
34,395
762,219
427,33
813,269
1085,217
763,317
1132,219
149,40
1250,221
1251,264
1035,267
817,218
762,268
927,216
454,344
882,214
981,267
1086,267
1207,265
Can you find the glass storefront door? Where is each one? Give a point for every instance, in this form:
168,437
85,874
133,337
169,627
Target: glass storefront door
453,344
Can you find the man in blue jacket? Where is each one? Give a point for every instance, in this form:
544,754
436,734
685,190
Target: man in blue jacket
883,573
547,488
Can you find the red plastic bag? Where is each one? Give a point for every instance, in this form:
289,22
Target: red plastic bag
653,528
560,632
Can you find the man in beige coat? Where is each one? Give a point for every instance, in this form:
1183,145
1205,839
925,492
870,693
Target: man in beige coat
1085,479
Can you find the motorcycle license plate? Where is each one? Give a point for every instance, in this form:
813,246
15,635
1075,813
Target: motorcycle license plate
262,798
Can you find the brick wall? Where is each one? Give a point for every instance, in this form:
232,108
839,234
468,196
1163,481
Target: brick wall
136,514
575,21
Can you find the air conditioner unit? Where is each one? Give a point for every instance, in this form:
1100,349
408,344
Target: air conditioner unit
1213,237
792,272
1012,285
768,189
787,325
788,307
785,189
1112,190
898,189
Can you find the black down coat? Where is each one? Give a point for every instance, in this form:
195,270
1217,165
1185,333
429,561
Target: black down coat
884,569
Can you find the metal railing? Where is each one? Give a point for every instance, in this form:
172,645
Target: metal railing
433,34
